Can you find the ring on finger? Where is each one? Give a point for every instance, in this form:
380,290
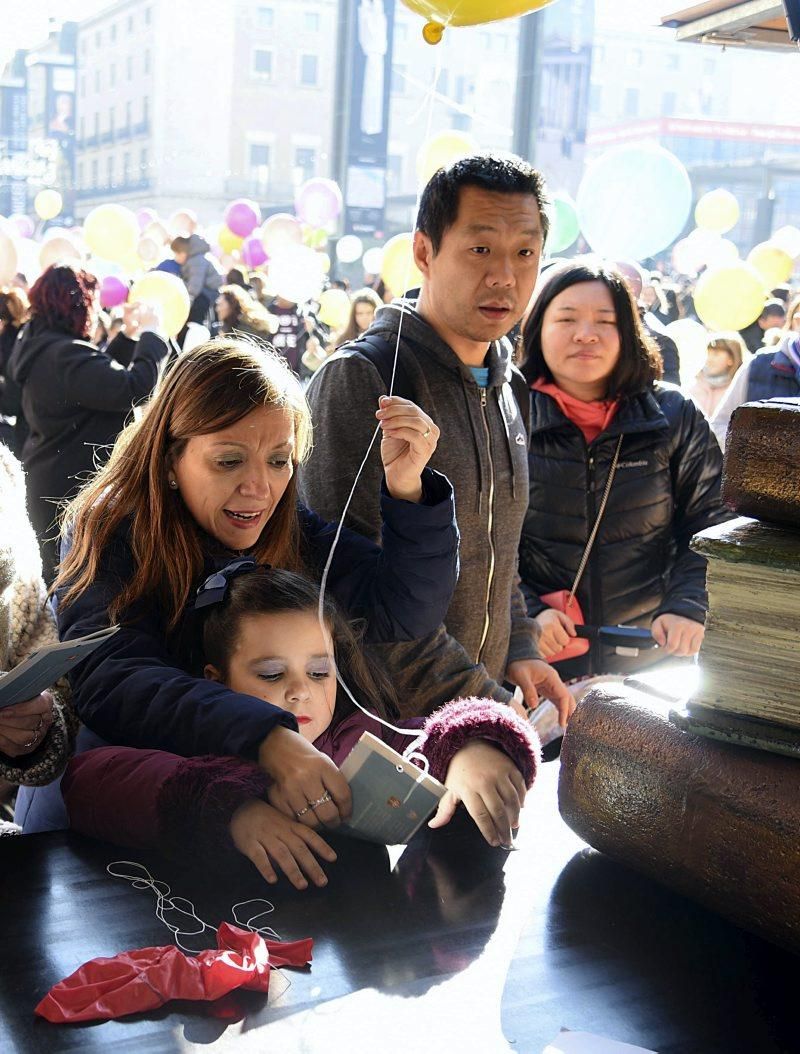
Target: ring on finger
302,812
320,801
427,432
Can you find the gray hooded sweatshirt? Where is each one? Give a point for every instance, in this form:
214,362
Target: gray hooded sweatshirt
483,452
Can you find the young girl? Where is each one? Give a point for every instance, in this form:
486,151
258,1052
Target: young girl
262,637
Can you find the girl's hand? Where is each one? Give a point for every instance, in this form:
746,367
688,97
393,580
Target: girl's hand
301,775
407,445
491,787
677,635
557,631
24,726
270,840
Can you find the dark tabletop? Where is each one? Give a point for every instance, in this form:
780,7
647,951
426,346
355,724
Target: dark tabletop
457,948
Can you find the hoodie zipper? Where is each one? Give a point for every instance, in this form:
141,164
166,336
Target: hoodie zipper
490,524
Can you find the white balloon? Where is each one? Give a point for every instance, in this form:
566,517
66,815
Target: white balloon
349,248
788,239
296,274
692,340
373,259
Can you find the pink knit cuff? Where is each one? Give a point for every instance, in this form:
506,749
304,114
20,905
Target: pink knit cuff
455,724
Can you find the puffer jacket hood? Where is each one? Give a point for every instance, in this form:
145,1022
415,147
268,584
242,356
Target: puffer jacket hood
31,342
198,246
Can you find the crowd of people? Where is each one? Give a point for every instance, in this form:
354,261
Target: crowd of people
542,463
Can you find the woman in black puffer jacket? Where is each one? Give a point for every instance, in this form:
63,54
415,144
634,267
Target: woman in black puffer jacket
594,378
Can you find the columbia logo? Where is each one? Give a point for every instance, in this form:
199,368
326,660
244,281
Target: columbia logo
632,464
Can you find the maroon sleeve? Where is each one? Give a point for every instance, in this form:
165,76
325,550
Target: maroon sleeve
153,799
455,724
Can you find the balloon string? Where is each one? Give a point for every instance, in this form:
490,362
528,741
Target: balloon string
414,734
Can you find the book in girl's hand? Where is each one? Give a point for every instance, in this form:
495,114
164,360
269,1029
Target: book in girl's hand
392,798
47,665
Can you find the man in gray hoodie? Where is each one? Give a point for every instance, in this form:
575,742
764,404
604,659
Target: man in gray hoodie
479,238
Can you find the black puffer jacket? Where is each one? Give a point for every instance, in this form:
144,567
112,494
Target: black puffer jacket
665,490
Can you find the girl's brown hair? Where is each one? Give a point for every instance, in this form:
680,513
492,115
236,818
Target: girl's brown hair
207,389
247,310
274,591
351,330
13,306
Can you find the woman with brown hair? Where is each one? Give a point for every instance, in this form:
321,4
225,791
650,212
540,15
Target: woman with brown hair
725,353
207,473
365,303
75,399
239,312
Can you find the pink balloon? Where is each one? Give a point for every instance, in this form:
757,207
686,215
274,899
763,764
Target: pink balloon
318,202
113,292
24,224
242,217
253,252
146,217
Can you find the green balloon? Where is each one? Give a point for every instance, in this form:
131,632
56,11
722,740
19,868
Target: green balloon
564,226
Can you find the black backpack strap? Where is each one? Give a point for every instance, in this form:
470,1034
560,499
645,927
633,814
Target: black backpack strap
380,353
522,393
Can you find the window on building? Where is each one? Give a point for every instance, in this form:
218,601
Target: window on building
129,67
443,83
259,155
94,172
631,108
669,100
143,163
98,39
113,32
97,80
126,167
265,16
84,45
128,114
110,170
147,60
309,70
147,16
145,110
111,120
262,62
83,129
112,75
130,23
394,173
79,174
635,58
83,87
595,98
311,21
305,159
97,125
398,79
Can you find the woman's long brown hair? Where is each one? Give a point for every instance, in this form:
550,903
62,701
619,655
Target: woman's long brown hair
207,389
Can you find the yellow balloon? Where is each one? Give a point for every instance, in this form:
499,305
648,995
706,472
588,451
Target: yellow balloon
166,292
59,250
440,150
111,231
772,263
718,211
334,308
48,203
442,13
8,256
398,269
228,241
730,297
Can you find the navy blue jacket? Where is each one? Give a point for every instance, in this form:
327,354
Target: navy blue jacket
137,688
772,375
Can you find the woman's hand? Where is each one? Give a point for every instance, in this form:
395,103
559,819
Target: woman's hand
491,787
307,786
270,840
677,635
407,445
557,629
24,726
536,678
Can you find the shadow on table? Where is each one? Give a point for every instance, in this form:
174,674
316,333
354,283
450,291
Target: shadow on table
678,968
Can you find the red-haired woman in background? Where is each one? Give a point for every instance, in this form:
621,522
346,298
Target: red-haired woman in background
75,399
